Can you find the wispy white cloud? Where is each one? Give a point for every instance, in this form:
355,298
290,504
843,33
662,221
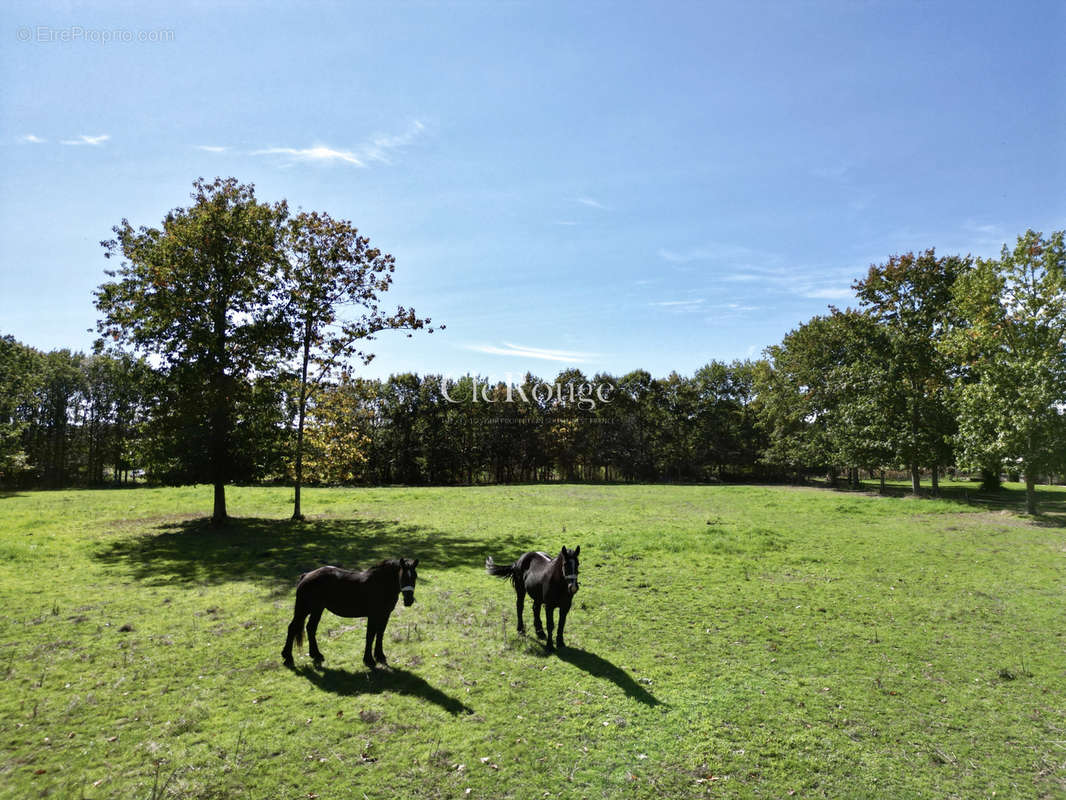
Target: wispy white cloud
837,173
986,229
590,202
716,251
318,153
743,277
523,351
211,148
31,139
380,148
93,141
679,305
832,293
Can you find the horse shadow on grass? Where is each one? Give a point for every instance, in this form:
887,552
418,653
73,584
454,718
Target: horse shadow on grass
277,551
599,667
351,684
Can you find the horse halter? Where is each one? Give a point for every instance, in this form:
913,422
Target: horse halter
570,572
407,589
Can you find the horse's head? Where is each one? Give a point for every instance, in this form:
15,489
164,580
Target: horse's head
408,576
569,559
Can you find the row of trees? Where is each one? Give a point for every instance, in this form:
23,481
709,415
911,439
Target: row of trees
949,360
67,418
407,429
413,429
251,318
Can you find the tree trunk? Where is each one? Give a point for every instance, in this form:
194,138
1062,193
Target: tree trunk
882,481
1030,492
916,480
219,420
218,516
990,479
297,514
936,480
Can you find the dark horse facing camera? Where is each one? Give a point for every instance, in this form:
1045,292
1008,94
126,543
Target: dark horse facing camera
551,582
372,594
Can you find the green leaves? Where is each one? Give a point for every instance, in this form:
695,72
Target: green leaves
202,294
1011,344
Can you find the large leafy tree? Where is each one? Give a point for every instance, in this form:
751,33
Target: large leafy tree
20,368
334,281
822,398
910,296
1012,349
200,294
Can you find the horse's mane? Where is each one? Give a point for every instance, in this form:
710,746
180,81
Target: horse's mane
388,562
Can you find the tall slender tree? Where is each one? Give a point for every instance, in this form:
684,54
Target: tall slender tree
334,281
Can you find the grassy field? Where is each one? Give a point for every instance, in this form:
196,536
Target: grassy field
726,642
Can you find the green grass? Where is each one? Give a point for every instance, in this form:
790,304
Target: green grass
726,642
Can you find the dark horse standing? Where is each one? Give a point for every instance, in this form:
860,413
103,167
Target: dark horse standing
371,594
551,582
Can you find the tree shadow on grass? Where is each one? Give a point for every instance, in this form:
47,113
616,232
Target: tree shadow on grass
599,667
1050,518
277,551
350,684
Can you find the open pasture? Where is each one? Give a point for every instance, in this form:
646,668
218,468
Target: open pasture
725,642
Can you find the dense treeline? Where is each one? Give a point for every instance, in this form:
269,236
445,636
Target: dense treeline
948,362
71,419
413,429
89,420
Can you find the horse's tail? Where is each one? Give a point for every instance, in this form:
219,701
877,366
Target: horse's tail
299,637
510,571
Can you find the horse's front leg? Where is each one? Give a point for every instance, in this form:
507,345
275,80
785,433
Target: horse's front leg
379,654
550,613
536,618
563,611
371,631
294,633
312,629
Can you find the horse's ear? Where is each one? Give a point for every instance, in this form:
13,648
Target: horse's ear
563,551
577,550
414,563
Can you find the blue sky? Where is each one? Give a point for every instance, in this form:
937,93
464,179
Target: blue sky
609,186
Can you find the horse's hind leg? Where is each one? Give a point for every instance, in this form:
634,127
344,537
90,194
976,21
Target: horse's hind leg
312,629
549,612
520,605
